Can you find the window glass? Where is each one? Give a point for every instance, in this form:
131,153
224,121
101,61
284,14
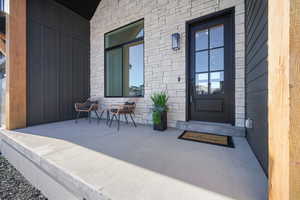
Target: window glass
209,60
201,40
125,34
133,79
202,61
217,36
202,84
217,59
125,62
114,72
216,82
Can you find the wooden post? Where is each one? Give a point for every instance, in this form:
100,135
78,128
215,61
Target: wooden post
16,65
284,99
295,100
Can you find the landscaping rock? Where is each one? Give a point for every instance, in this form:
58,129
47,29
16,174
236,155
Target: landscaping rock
13,186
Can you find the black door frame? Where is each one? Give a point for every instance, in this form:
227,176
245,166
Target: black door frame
228,11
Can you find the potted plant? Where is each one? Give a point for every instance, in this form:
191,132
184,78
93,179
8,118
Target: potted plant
159,110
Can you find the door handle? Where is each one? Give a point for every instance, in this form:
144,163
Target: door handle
192,92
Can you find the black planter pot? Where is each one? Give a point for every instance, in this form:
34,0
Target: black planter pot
163,122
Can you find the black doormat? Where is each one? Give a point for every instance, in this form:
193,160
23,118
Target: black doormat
208,138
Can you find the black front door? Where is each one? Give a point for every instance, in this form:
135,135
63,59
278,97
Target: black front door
211,65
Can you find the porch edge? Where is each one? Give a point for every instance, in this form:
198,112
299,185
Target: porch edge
40,172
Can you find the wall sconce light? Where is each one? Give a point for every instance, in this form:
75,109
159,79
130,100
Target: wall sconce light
175,41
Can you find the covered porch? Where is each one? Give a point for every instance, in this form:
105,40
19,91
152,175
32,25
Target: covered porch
93,161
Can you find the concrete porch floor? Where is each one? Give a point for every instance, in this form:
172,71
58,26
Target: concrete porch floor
94,161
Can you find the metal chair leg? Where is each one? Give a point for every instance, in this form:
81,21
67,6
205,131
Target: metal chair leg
101,115
99,118
132,120
89,116
126,119
119,121
107,117
111,119
77,116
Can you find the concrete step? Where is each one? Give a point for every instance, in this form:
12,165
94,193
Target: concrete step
211,127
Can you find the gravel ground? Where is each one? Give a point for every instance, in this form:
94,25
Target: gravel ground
13,186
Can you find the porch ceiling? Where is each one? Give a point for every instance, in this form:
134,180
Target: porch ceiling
84,8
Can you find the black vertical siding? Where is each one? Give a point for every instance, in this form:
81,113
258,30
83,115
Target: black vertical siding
58,61
256,24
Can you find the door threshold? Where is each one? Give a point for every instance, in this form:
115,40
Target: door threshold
211,127
209,123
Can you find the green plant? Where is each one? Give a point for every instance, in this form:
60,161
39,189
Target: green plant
160,105
156,117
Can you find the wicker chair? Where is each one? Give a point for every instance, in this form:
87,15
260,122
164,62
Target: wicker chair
127,108
87,107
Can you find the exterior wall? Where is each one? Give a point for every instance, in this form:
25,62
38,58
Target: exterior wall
257,77
58,61
163,66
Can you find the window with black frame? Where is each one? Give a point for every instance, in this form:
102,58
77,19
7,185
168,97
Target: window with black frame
124,61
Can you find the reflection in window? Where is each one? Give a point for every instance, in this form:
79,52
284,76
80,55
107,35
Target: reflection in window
201,40
217,59
125,61
202,84
114,72
133,79
125,34
209,60
202,61
216,82
216,36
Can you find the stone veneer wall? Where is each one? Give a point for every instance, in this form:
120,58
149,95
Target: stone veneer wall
163,66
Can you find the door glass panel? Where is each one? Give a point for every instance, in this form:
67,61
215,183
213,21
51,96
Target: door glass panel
216,82
201,85
209,61
202,61
217,36
201,38
217,59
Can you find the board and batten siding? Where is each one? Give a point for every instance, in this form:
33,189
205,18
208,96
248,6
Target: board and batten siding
256,26
163,66
58,61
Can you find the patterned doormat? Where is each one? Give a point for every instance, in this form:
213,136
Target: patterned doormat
208,138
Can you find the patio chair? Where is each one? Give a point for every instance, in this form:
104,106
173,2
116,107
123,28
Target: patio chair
87,107
128,108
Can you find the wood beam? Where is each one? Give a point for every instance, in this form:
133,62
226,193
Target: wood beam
294,135
284,99
16,65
